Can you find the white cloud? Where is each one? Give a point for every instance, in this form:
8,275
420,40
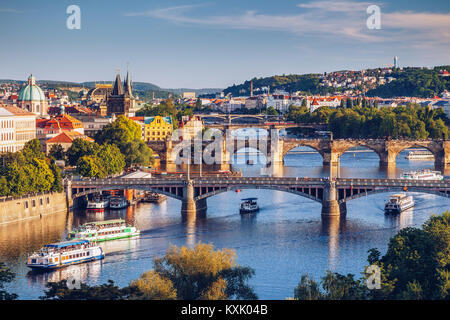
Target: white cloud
9,10
329,19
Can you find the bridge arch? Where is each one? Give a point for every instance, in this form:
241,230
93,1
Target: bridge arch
313,144
395,189
178,196
316,197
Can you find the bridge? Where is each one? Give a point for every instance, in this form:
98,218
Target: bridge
275,149
333,194
263,121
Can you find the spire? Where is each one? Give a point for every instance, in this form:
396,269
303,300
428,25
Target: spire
127,85
117,86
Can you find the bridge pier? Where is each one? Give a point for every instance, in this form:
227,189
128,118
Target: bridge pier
330,158
189,206
330,205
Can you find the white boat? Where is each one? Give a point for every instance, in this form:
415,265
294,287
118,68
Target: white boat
61,254
420,155
398,203
98,203
425,174
118,203
104,231
249,205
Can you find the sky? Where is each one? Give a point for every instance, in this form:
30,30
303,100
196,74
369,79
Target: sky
215,44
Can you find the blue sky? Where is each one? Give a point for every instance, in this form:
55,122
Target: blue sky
197,44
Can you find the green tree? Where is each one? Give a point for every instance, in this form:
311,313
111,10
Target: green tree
90,166
79,149
57,152
6,276
112,160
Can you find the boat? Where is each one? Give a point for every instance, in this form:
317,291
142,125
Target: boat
118,203
98,203
420,155
154,197
249,205
424,174
104,231
398,203
62,254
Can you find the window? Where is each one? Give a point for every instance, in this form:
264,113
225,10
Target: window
41,202
26,204
33,203
48,200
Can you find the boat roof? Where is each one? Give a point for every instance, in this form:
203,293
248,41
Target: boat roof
249,199
66,244
100,223
398,195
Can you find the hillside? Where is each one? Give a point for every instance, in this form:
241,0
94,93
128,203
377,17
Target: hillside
413,82
410,81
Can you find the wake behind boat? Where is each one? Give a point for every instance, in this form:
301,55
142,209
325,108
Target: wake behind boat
62,254
104,231
249,205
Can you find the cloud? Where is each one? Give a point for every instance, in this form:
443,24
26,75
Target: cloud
9,10
344,19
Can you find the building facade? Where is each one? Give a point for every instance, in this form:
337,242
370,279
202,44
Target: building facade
121,100
7,136
157,128
24,126
32,98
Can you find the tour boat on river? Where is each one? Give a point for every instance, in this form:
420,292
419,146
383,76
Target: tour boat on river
420,155
61,254
425,174
249,206
398,203
104,231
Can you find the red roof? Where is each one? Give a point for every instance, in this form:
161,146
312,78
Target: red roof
68,137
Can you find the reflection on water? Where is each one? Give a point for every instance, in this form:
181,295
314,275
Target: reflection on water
286,239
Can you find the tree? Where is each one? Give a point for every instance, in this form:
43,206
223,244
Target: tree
154,287
33,149
112,160
57,152
107,291
79,149
90,166
127,136
202,273
6,276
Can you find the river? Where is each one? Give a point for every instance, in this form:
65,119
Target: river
283,241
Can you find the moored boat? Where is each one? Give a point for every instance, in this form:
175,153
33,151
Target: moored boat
118,203
104,231
398,203
62,254
154,197
98,203
424,174
249,205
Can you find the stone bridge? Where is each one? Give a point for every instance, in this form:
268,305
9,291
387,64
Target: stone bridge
331,193
275,149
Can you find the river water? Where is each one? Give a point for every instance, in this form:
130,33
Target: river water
286,239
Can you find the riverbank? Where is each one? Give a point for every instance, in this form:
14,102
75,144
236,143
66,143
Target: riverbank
32,206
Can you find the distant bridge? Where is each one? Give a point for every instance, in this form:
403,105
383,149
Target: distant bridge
332,194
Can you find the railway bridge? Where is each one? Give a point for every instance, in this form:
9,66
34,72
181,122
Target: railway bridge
333,194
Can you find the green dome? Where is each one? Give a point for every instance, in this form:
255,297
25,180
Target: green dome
31,92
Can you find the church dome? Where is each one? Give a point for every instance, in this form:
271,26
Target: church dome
31,92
